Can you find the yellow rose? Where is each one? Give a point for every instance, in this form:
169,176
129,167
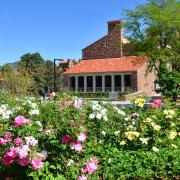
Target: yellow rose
174,146
169,113
172,134
122,142
132,135
156,127
140,102
117,133
148,119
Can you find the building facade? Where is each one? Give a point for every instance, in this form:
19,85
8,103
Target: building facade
106,66
112,45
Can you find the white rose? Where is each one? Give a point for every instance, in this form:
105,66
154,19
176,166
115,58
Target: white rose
92,116
98,116
155,149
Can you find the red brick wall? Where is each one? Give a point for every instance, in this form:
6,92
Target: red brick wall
98,50
146,81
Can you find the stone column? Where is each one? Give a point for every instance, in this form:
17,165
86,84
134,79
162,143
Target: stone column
85,83
94,83
112,83
122,82
103,83
76,83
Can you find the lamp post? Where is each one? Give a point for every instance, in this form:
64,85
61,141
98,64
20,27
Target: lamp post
55,89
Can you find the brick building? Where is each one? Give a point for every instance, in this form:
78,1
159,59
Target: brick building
107,67
112,45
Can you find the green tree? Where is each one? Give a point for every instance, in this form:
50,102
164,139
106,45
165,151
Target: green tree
49,74
154,31
34,65
168,82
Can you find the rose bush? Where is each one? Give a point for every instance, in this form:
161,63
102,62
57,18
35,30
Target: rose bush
69,138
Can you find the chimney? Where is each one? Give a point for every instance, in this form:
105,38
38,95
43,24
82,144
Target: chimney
114,26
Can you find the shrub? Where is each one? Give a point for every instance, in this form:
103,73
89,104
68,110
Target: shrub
85,140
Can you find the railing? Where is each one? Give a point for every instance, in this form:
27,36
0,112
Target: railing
98,89
106,89
89,89
129,90
117,88
80,89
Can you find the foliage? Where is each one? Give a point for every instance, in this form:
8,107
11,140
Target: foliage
15,82
49,74
34,65
90,140
169,83
154,31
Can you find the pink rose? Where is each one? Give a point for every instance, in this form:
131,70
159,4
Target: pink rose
92,165
26,121
12,152
154,106
7,160
67,139
23,161
20,120
157,101
17,141
82,178
76,146
23,151
82,137
36,163
94,160
7,136
3,141
78,103
67,103
31,141
84,170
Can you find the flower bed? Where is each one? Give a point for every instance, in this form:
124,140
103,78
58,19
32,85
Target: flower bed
67,138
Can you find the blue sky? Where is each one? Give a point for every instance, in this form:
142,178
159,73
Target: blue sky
55,28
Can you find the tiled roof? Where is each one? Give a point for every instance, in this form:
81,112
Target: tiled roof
124,64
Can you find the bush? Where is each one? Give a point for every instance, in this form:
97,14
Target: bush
71,139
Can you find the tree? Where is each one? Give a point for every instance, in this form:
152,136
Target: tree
34,65
15,82
154,31
169,82
49,74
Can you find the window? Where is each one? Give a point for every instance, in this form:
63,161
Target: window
127,80
116,27
106,44
72,82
